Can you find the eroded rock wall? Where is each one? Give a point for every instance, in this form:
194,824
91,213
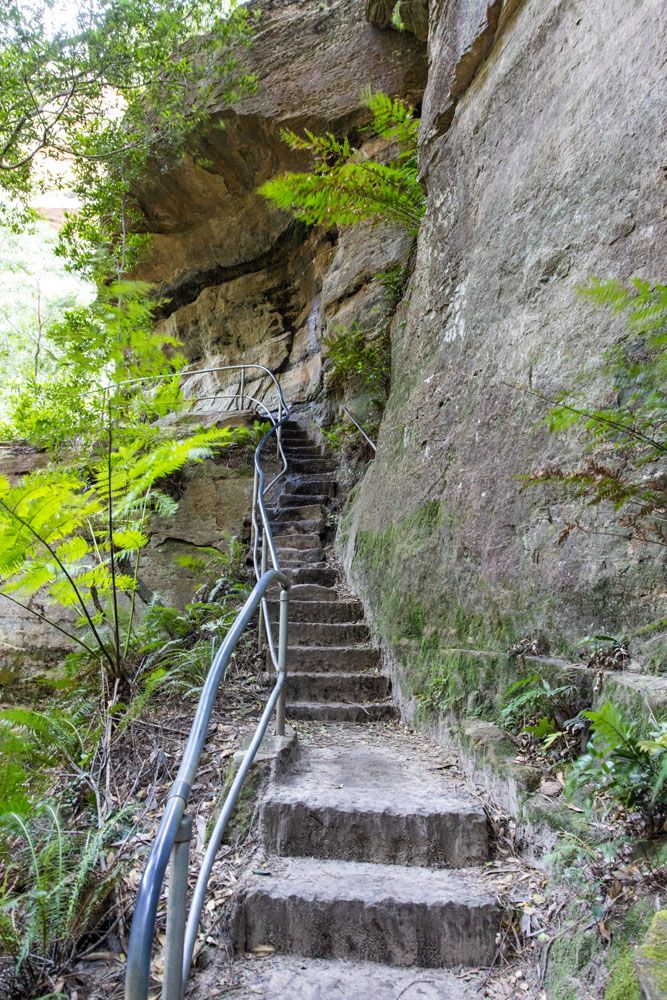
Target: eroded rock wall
543,145
244,279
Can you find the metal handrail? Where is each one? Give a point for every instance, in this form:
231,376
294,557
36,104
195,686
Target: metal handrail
174,833
360,429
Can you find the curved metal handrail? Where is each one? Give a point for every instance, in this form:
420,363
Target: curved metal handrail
173,835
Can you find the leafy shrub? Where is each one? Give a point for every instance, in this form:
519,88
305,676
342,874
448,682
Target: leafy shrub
345,186
355,357
620,767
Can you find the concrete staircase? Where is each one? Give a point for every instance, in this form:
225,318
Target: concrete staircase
372,853
335,672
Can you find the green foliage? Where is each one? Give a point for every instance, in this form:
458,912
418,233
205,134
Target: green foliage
394,281
396,21
57,82
108,343
354,357
177,648
345,186
531,705
623,984
626,441
621,767
35,289
224,567
52,900
76,535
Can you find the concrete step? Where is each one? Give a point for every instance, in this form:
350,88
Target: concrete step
283,977
323,575
337,688
313,465
305,540
321,611
312,592
325,634
393,914
300,557
297,450
303,512
316,711
364,804
296,526
315,485
332,658
299,499
299,478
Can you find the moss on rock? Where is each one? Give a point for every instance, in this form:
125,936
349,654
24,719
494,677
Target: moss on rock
650,959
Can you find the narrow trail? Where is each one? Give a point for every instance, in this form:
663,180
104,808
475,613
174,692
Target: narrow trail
370,877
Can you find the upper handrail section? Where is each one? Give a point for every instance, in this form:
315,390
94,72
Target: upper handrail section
173,835
360,429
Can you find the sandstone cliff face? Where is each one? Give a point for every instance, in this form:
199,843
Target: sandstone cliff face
243,279
541,132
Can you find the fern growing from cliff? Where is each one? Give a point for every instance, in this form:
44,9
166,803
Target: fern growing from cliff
624,442
346,186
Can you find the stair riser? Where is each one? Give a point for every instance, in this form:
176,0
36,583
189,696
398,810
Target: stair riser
301,829
296,527
306,512
306,574
318,634
349,689
301,499
404,934
299,557
302,450
322,612
312,465
297,487
307,540
322,658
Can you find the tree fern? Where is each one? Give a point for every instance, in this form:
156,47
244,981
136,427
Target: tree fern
64,533
345,186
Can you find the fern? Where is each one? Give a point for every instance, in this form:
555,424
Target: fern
346,187
61,883
65,533
355,357
624,443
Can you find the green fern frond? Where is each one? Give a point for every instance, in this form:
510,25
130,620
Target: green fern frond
346,188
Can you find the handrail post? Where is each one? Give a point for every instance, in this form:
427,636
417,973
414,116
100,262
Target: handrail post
282,658
254,523
172,983
279,429
242,389
260,630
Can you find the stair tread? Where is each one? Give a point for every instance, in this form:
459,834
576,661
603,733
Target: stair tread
356,647
333,979
324,880
366,778
341,711
336,612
